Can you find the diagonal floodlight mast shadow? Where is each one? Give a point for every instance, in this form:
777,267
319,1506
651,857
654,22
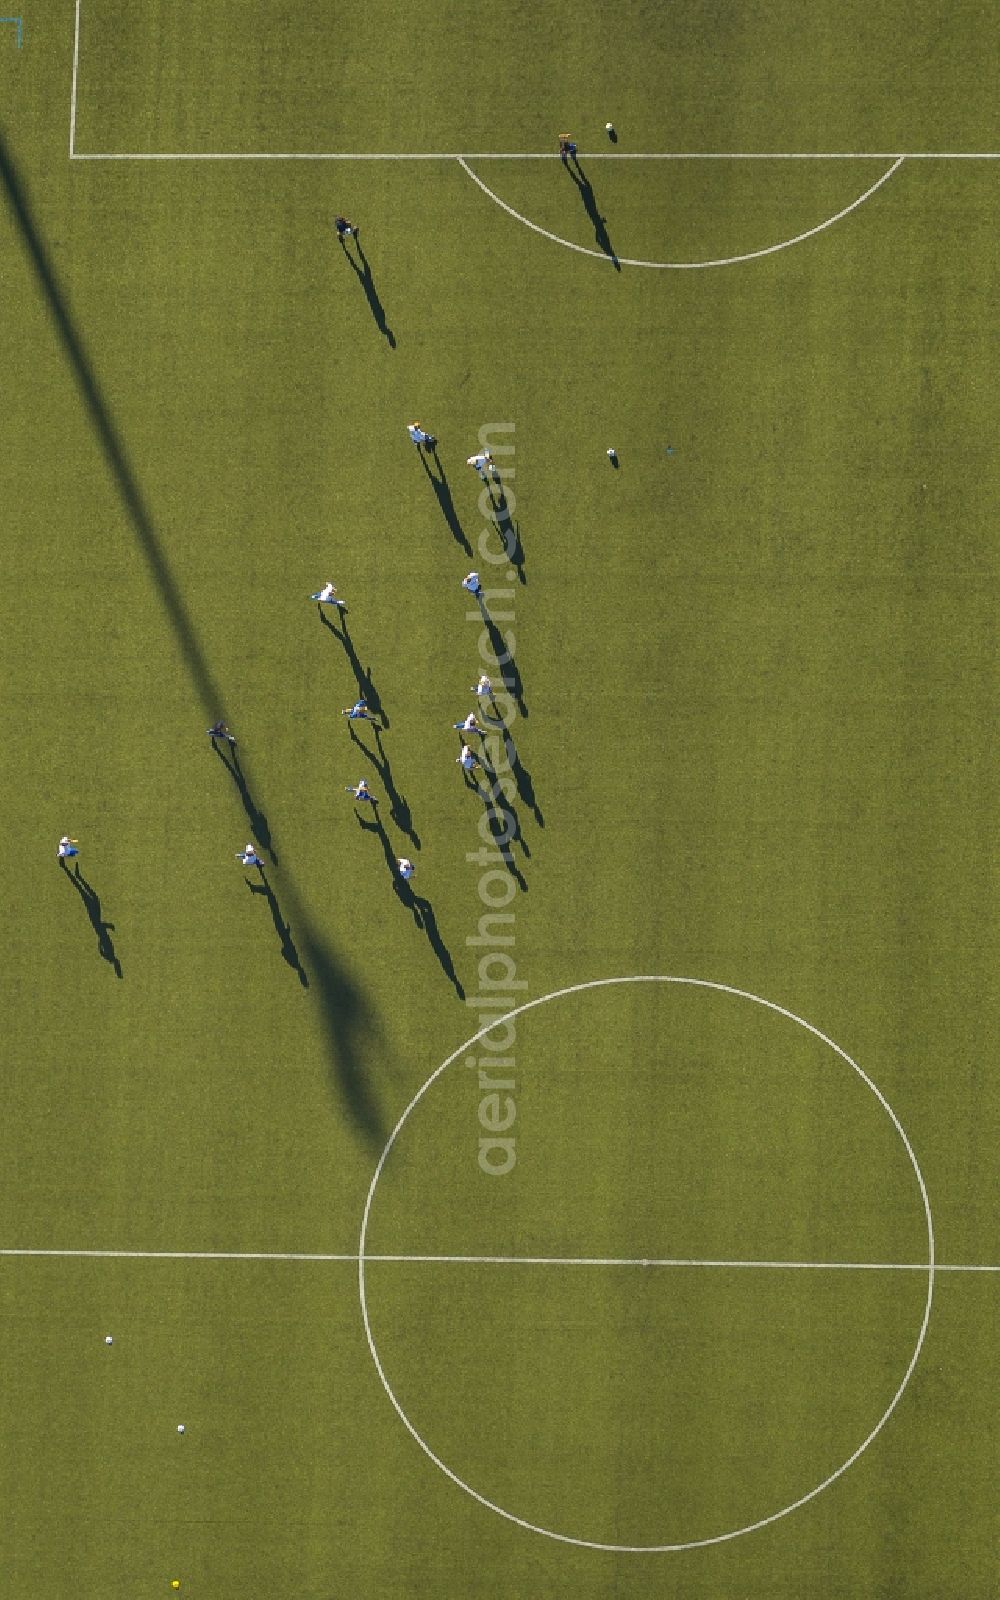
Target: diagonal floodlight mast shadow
347,1017
111,443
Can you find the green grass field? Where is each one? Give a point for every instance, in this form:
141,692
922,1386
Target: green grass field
645,1307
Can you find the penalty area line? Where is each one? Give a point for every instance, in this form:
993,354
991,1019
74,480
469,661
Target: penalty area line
72,98
506,155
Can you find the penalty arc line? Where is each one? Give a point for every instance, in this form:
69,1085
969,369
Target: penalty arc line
406,1257
684,266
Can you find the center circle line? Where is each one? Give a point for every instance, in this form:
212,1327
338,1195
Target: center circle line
732,1533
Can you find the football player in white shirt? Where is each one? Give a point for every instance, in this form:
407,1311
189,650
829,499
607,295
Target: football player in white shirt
358,712
361,792
327,597
483,463
468,760
406,868
470,725
483,690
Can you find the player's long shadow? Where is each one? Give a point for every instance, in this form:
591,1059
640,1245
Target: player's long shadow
418,905
255,816
281,927
505,828
509,532
442,490
399,810
601,236
351,1029
502,818
522,777
504,658
364,275
102,928
362,675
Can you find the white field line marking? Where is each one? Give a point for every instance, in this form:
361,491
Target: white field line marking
501,1261
528,155
731,1533
72,99
681,266
494,155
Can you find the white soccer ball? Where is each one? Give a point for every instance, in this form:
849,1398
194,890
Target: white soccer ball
108,1339
180,1427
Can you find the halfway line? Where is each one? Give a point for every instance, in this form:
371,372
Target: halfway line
504,1261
